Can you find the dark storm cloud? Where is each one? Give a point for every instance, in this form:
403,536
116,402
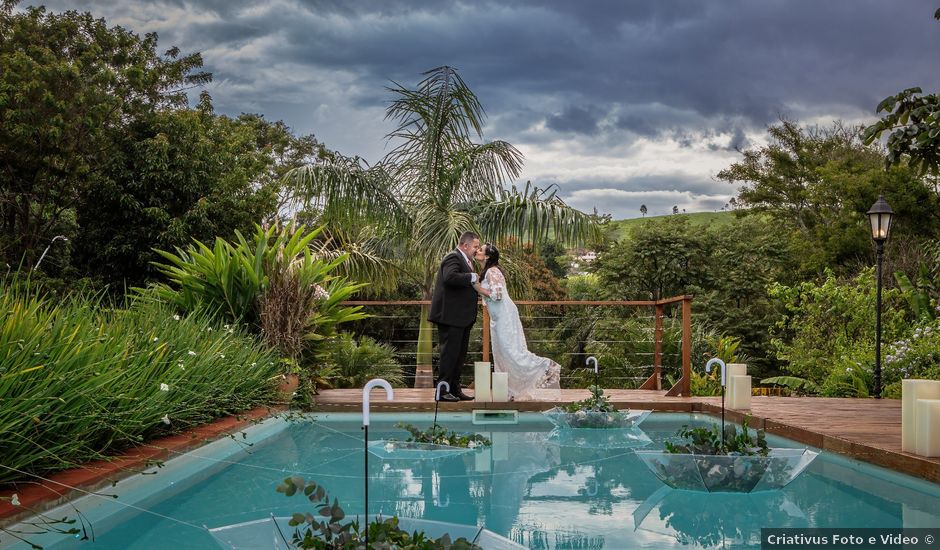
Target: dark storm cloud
598,80
732,58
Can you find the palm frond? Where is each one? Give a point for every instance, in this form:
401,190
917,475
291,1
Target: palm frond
533,215
437,231
348,189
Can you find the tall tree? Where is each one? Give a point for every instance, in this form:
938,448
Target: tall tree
434,184
912,119
819,182
643,210
179,175
68,87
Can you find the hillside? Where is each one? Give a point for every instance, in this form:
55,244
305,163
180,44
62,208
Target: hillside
621,228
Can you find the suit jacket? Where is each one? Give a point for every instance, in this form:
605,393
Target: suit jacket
454,301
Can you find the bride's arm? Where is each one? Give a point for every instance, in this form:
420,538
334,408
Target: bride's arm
480,290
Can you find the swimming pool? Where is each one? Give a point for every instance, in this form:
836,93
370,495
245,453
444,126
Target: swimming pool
537,489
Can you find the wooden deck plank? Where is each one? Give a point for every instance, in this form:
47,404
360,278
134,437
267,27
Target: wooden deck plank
863,429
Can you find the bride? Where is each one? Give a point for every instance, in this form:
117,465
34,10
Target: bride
511,354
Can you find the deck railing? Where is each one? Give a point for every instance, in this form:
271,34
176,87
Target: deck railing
537,325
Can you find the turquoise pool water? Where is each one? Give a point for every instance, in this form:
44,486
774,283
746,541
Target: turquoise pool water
530,486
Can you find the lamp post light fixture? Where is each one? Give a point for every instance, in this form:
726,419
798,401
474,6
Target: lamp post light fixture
54,239
880,216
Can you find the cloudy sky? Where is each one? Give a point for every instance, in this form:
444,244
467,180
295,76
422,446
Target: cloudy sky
617,102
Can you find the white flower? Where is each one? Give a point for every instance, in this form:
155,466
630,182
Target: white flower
176,317
389,447
208,329
181,366
472,445
166,419
254,364
15,499
192,353
320,293
222,355
155,339
164,387
848,369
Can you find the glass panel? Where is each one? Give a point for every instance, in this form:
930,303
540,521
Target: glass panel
596,420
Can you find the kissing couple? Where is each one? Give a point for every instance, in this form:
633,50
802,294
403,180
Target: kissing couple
454,311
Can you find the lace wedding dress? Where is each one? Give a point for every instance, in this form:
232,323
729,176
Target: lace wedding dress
511,354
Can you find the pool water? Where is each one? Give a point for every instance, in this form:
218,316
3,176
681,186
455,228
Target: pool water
530,486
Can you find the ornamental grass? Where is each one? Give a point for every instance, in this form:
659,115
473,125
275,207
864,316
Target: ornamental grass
80,380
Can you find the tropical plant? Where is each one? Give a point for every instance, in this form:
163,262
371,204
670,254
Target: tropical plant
276,282
800,386
355,363
432,186
916,355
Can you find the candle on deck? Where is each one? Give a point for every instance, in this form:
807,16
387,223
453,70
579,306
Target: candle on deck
911,391
740,396
732,370
927,412
481,382
500,386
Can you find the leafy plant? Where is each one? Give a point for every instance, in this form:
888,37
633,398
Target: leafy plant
799,385
326,531
79,380
916,355
708,441
598,402
438,435
353,364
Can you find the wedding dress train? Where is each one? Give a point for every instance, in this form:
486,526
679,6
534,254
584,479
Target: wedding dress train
511,354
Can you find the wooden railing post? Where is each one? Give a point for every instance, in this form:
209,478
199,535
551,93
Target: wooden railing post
687,345
682,387
655,381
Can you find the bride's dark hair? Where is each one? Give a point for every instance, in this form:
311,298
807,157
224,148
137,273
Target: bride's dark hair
492,257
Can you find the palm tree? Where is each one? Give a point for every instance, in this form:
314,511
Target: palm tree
435,184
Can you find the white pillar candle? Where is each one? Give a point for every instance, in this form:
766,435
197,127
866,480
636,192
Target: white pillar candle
927,412
911,391
500,387
481,382
732,370
740,396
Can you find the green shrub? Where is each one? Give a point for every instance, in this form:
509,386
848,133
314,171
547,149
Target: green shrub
917,355
78,380
276,285
829,326
357,363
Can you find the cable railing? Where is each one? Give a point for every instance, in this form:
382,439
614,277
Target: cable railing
642,344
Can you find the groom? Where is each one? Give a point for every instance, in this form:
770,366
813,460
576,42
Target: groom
454,310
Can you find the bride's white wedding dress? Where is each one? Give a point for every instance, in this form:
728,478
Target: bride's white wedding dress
511,354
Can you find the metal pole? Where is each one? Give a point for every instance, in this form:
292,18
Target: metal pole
365,476
880,256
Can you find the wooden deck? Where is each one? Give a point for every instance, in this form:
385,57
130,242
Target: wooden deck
863,429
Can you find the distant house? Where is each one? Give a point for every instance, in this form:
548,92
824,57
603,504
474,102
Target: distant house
580,257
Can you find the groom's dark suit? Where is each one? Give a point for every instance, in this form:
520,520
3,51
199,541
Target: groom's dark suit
454,310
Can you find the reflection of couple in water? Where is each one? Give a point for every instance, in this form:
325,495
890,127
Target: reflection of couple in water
454,310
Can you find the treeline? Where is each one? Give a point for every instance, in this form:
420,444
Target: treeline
99,145
791,277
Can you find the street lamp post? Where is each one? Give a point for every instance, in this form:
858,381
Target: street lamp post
880,216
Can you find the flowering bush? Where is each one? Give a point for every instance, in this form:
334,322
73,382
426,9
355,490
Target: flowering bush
914,356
